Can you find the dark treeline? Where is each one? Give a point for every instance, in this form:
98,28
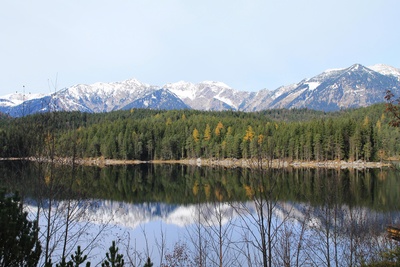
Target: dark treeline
299,134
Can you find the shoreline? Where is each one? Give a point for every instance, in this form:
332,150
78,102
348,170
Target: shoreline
225,163
276,164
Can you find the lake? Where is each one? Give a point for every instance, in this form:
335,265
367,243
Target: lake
203,216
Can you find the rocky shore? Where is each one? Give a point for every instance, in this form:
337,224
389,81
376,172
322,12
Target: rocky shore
254,163
225,163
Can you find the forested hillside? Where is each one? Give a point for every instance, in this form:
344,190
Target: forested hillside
298,134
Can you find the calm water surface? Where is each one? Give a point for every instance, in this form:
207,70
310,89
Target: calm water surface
149,209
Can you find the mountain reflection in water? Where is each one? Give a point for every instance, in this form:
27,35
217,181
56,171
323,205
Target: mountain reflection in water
145,204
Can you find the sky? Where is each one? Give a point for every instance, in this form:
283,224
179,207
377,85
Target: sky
48,45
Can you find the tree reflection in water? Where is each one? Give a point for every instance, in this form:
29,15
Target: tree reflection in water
316,217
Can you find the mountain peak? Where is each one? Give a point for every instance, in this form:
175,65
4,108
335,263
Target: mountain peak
217,84
179,84
159,99
356,67
19,98
135,83
334,89
386,70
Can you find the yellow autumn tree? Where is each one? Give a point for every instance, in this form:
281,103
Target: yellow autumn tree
218,194
260,139
207,133
195,188
207,191
196,135
366,121
378,126
218,129
249,134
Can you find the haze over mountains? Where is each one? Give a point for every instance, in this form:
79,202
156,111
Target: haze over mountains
352,87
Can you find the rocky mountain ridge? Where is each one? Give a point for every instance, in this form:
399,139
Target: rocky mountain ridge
334,89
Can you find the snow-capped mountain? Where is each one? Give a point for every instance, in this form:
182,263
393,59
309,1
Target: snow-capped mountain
331,90
356,86
160,99
102,97
386,70
209,95
18,98
21,108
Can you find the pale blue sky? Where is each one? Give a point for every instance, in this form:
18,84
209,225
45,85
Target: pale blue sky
249,45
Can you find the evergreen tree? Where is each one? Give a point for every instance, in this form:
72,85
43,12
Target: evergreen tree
19,244
78,258
393,108
113,259
358,134
148,263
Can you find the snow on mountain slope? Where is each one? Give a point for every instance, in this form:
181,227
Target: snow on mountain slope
330,90
208,95
18,98
184,90
103,97
355,86
160,99
333,89
386,70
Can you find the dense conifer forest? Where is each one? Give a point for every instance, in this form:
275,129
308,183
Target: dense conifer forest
299,134
142,134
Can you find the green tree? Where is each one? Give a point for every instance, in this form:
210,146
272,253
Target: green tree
19,244
390,257
339,145
79,258
113,259
317,147
75,261
393,108
148,263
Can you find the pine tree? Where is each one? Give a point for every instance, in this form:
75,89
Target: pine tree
113,259
79,258
148,263
19,244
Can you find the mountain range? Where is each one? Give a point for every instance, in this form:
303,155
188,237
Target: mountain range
335,89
